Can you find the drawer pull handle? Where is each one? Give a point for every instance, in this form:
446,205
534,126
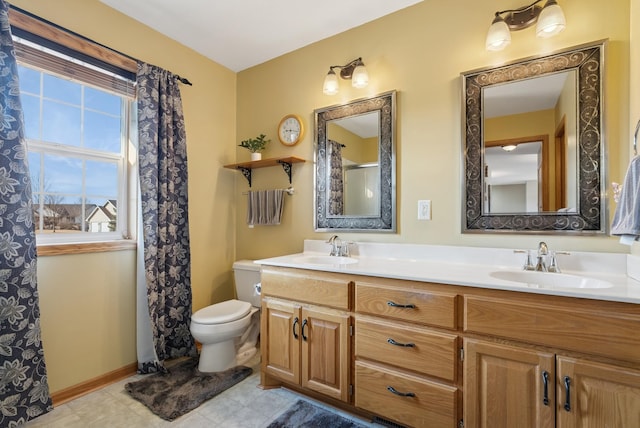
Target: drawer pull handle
304,324
545,381
392,390
405,345
397,305
567,387
295,322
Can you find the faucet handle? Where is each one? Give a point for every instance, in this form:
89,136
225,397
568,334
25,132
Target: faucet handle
528,264
343,250
553,264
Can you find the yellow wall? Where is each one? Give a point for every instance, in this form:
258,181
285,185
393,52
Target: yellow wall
419,51
88,301
541,122
357,149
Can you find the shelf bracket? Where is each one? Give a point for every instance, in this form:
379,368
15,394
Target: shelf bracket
247,173
287,169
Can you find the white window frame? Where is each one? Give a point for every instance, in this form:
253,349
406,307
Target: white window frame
126,165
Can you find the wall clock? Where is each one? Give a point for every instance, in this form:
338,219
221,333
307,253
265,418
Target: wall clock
290,130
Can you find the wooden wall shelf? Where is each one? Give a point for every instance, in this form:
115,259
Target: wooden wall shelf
246,167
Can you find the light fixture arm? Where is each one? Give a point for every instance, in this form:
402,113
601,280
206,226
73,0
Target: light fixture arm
521,9
521,18
346,71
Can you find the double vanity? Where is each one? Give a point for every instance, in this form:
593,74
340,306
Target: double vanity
443,336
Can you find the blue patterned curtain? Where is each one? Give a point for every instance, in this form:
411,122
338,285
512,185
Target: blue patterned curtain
162,158
24,391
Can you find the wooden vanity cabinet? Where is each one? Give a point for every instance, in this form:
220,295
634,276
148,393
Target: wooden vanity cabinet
302,343
575,363
433,355
507,386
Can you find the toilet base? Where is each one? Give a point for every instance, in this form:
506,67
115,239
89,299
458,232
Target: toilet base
217,357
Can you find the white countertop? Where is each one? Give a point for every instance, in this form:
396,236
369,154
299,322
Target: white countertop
471,266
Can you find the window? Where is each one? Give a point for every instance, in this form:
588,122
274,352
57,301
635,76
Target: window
78,124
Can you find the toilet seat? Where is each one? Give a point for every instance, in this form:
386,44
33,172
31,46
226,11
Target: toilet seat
222,312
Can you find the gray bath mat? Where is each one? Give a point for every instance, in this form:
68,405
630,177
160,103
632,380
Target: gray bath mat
305,415
171,395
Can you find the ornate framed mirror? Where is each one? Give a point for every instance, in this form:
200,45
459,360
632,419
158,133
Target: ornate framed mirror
533,149
355,172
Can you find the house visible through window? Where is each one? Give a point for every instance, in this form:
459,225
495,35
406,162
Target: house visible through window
77,127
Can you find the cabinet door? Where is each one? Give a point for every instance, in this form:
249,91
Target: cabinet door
599,395
505,386
325,352
281,331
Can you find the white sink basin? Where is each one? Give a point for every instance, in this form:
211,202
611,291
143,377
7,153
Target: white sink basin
326,260
550,280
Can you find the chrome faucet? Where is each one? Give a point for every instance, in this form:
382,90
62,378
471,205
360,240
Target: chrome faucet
336,245
541,260
543,250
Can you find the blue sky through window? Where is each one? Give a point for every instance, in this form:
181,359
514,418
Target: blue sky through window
62,117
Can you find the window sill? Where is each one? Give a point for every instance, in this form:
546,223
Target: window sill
83,248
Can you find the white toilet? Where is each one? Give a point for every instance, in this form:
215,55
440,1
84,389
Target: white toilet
228,331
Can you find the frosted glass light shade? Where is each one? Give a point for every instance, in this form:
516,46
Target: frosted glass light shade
360,77
499,36
330,86
551,20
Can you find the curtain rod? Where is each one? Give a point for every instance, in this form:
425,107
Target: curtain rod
42,21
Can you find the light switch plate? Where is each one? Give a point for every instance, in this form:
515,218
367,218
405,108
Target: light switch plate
424,210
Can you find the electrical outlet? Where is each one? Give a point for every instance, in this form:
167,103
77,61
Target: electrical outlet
424,210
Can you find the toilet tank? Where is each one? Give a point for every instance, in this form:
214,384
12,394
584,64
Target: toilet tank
246,277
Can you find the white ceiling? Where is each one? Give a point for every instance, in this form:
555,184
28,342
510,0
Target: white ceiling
239,34
523,96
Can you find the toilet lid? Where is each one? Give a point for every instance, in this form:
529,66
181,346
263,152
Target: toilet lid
223,312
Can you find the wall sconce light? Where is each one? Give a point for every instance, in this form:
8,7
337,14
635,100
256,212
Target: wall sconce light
550,19
354,71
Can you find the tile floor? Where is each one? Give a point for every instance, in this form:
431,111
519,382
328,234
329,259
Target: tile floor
242,406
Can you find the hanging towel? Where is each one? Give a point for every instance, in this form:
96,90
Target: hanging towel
264,207
626,220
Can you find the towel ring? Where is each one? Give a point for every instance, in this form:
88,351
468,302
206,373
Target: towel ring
635,139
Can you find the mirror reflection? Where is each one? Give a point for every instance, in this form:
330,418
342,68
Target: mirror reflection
355,165
355,173
522,121
533,155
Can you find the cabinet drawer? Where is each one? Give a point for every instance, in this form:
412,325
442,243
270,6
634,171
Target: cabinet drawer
571,326
432,405
319,288
432,353
432,308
